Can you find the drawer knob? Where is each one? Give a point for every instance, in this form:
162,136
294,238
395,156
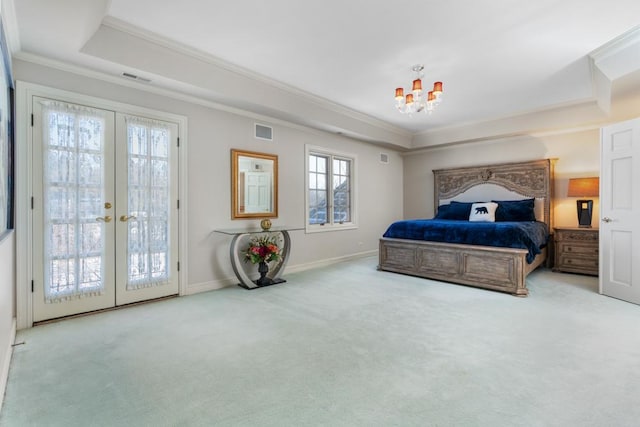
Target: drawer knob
569,249
568,261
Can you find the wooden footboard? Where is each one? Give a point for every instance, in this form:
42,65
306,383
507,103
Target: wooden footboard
499,269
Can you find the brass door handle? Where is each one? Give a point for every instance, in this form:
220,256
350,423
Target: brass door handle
125,218
104,218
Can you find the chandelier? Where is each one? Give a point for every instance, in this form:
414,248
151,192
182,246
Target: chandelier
416,101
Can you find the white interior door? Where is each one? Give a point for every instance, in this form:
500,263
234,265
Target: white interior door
105,217
620,211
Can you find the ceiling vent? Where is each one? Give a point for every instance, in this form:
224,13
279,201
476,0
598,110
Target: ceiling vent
264,132
384,158
134,77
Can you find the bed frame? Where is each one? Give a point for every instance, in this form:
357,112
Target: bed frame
500,269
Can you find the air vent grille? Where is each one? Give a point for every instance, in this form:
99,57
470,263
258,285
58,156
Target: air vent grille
384,158
134,77
264,132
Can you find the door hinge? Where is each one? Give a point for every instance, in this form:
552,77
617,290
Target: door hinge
178,265
178,139
31,120
32,286
178,204
32,202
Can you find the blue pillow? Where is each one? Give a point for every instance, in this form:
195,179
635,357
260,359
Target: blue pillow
455,210
515,210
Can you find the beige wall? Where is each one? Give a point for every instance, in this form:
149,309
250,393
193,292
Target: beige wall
577,155
212,133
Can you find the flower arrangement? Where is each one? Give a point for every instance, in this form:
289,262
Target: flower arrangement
262,249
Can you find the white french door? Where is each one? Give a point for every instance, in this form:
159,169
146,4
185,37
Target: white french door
105,220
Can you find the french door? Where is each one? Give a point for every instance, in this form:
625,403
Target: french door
105,214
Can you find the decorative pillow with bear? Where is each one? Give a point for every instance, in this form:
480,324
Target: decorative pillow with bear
483,212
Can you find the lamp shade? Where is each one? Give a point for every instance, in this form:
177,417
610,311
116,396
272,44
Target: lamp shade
584,187
417,85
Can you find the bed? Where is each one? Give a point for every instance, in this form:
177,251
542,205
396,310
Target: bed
498,268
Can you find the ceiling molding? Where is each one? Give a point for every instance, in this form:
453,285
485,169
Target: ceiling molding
119,25
572,115
623,41
620,56
10,22
180,96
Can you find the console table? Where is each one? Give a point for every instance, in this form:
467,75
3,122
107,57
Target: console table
235,250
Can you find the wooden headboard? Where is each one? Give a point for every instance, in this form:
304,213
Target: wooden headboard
533,179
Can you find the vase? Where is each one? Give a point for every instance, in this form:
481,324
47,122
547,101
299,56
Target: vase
263,269
265,224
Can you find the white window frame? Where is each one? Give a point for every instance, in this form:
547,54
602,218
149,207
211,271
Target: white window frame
331,226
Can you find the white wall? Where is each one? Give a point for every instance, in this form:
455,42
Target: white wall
211,135
577,154
7,306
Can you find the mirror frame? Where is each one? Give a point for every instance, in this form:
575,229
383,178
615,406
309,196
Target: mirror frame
235,207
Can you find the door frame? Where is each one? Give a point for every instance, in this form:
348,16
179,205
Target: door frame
24,186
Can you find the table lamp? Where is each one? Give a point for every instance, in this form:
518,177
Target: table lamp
584,187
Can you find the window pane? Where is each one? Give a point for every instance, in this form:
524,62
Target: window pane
322,164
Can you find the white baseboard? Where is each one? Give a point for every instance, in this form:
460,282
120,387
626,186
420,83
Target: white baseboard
212,285
4,372
329,261
231,281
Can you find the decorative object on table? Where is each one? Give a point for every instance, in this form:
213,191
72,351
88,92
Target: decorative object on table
416,101
261,251
265,224
584,187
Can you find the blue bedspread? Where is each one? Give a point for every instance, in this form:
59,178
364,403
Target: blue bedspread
530,235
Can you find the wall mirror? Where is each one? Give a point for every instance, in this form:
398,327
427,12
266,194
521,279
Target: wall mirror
254,185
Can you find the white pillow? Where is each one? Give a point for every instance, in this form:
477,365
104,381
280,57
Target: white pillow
483,212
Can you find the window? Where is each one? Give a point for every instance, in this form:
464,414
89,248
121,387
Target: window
330,190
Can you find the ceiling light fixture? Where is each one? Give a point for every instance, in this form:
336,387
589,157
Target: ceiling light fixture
416,102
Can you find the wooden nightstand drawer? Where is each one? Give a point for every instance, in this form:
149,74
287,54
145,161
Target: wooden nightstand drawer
578,263
576,250
572,248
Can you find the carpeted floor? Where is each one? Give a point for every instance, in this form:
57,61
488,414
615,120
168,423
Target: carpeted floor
344,345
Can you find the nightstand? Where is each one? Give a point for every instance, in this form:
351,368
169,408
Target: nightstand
576,250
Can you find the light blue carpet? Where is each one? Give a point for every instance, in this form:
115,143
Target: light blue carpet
344,345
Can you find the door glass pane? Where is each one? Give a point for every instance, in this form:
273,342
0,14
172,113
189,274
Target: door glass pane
148,203
73,178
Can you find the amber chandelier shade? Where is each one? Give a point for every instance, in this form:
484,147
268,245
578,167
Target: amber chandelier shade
417,101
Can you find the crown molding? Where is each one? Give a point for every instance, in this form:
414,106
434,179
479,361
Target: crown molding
180,96
613,47
10,21
119,25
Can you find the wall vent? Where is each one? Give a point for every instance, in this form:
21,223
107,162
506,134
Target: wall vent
264,132
384,158
134,77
